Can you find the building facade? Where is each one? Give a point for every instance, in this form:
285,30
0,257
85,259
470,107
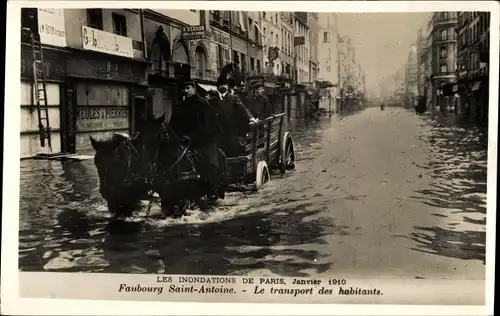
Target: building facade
328,51
473,64
421,45
287,55
55,54
271,27
411,78
302,47
442,31
312,18
100,83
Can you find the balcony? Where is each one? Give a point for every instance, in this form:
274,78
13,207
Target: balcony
444,21
302,17
448,38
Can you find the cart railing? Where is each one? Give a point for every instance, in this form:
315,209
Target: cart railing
263,142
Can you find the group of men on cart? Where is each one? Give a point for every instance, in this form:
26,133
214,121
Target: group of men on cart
219,120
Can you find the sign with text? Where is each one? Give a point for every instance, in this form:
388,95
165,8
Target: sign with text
106,69
51,27
92,118
108,43
54,65
258,289
192,33
220,38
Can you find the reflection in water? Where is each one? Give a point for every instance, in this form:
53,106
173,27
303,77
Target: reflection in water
457,164
456,244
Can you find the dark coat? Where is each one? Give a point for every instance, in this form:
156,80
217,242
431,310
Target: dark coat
233,118
261,107
194,118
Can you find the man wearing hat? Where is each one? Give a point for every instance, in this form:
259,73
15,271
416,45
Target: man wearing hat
194,118
232,115
260,105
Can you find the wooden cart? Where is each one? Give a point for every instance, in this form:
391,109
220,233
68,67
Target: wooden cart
268,147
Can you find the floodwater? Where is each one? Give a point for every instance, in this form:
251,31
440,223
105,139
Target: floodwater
376,193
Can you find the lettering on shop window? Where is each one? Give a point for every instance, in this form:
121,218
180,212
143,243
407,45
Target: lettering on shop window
101,118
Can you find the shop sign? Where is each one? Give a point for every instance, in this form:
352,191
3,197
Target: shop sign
106,69
54,65
220,38
91,118
192,33
51,27
108,43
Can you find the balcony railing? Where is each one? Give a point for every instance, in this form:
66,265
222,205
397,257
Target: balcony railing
447,20
452,37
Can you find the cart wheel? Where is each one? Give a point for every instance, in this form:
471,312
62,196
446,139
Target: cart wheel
262,175
288,156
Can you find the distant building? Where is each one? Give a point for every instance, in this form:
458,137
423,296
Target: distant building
473,63
302,46
411,77
314,64
328,50
443,37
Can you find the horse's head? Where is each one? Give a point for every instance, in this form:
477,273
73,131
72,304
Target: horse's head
152,134
113,159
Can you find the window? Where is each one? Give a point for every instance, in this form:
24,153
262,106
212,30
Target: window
264,14
94,18
277,40
444,52
325,37
276,19
443,35
193,11
203,17
224,57
444,68
119,24
29,18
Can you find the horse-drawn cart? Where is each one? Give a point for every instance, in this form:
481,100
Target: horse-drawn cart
267,147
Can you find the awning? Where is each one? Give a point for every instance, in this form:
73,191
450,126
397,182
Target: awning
206,87
476,85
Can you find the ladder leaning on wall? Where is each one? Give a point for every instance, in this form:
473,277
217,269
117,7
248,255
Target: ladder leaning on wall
40,90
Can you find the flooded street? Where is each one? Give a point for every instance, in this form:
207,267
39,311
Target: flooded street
374,194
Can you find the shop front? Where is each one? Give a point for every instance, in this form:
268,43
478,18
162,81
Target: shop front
55,74
105,95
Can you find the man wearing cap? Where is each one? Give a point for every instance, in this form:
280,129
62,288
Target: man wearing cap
260,105
194,119
233,117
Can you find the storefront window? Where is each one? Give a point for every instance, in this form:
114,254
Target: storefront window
200,62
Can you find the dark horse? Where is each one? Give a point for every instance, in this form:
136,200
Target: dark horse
174,167
153,160
121,182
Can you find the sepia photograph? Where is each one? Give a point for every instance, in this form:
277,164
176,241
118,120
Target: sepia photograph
273,156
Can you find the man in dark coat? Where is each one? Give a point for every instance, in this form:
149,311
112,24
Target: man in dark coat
194,119
232,116
260,106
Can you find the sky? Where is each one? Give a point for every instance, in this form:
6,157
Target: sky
381,41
